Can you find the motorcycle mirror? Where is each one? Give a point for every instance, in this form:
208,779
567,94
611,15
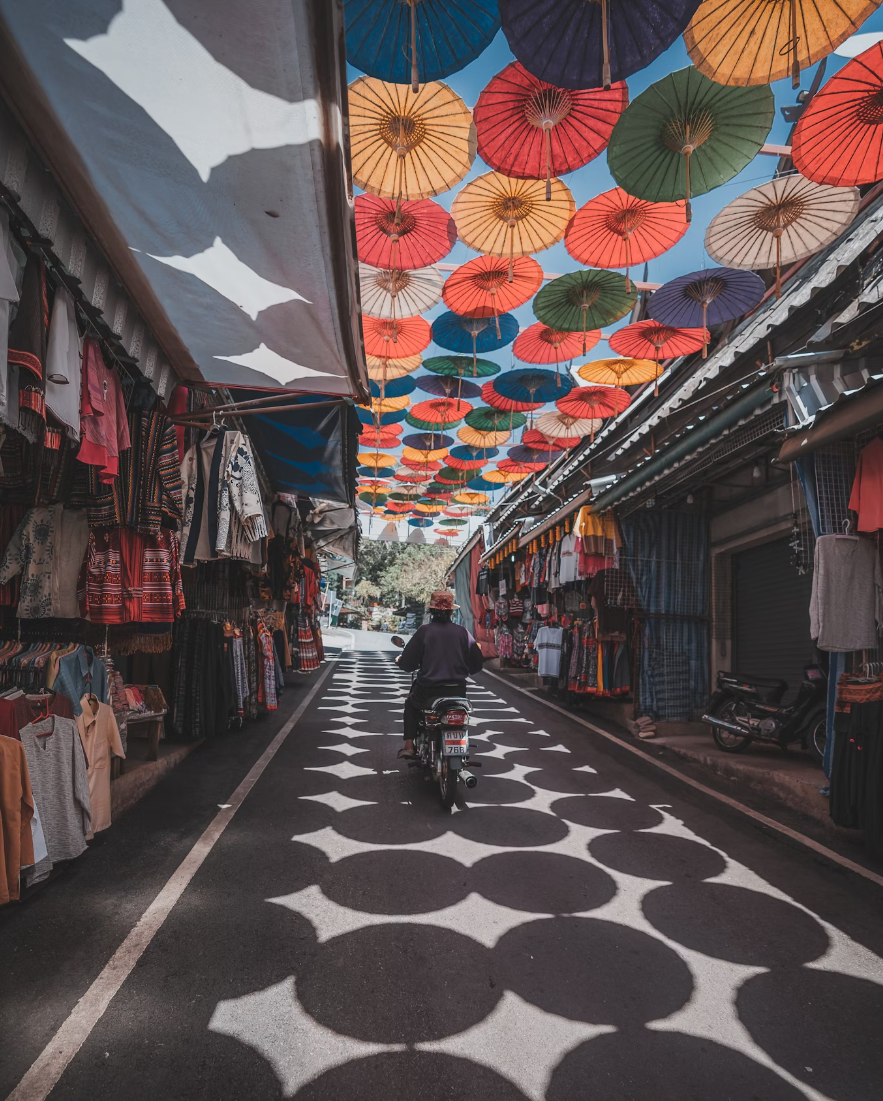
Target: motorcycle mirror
396,640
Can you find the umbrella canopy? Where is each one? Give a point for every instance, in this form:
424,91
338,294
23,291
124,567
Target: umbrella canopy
424,441
472,437
445,386
468,458
838,139
403,337
461,366
535,455
474,334
426,40
429,426
421,522
367,472
381,368
439,492
501,216
388,405
413,476
620,371
686,135
540,344
429,507
780,222
368,484
406,145
468,497
453,522
584,300
380,438
395,293
400,507
616,230
503,477
366,416
451,477
404,236
510,466
528,129
650,338
532,385
481,484
485,287
759,41
372,496
423,455
441,411
593,402
707,297
493,418
573,44
422,466
395,388
536,441
376,459
404,494
507,406
557,424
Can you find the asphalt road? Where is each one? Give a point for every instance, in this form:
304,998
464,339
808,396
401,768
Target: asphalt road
582,928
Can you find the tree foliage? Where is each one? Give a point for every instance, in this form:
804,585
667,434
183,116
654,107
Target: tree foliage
409,570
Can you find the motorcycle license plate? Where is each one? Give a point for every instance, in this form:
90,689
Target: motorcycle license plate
456,746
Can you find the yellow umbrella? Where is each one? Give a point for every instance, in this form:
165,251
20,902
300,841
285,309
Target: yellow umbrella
388,405
431,509
473,438
469,498
418,456
502,477
780,222
501,216
381,369
376,459
619,372
761,41
407,146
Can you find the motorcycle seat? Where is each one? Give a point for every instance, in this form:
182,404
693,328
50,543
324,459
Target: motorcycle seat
455,698
770,689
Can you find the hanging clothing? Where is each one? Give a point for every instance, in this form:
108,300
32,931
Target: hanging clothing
103,423
64,372
47,548
132,577
568,570
267,685
548,648
240,674
16,812
867,490
80,673
846,605
8,296
101,740
57,767
21,710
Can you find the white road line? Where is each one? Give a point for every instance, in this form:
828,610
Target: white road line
52,1062
823,850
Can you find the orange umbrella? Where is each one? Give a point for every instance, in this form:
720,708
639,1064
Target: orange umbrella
594,401
649,338
540,344
472,437
424,466
440,410
406,336
510,466
616,230
383,369
838,139
483,288
623,371
418,455
375,459
508,405
467,497
502,477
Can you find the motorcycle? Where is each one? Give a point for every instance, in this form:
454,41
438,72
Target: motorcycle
746,709
442,741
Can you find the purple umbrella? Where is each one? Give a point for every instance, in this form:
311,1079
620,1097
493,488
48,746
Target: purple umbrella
575,44
523,454
705,298
427,441
447,386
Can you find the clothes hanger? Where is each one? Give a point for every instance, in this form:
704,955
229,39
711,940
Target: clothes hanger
847,523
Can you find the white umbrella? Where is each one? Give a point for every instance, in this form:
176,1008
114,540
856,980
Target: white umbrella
555,424
389,294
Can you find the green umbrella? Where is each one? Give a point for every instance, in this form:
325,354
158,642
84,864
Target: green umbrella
486,419
406,493
428,426
461,366
449,476
584,300
372,498
452,523
686,135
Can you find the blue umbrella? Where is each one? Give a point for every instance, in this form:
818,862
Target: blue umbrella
367,417
421,522
533,385
523,454
448,386
367,472
425,40
427,441
707,297
472,453
474,334
574,44
483,484
395,388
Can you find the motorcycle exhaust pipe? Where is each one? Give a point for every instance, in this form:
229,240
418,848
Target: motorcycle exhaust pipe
468,779
710,720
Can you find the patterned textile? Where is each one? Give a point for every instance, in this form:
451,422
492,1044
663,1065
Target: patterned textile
267,683
133,578
105,429
240,674
850,692
309,657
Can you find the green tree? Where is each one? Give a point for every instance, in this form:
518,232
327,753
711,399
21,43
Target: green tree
417,570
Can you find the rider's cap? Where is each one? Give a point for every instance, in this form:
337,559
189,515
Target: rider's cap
442,600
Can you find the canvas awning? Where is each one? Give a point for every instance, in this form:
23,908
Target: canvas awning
203,145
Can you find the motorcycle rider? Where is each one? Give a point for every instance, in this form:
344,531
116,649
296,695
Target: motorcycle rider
443,654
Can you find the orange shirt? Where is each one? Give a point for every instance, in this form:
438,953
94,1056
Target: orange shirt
16,812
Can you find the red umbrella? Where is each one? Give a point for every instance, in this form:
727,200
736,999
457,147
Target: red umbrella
422,232
535,439
594,402
510,466
484,288
440,410
412,476
405,336
510,405
529,129
466,464
424,465
616,230
651,340
397,506
371,437
540,344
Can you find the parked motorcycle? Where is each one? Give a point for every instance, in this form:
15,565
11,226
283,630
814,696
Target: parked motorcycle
746,709
442,741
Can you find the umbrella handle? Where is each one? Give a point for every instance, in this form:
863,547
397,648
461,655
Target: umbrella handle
689,150
415,80
704,330
547,131
605,72
512,251
628,282
795,64
778,236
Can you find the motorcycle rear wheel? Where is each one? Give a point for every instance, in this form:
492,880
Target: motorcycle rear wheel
817,735
726,739
447,783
